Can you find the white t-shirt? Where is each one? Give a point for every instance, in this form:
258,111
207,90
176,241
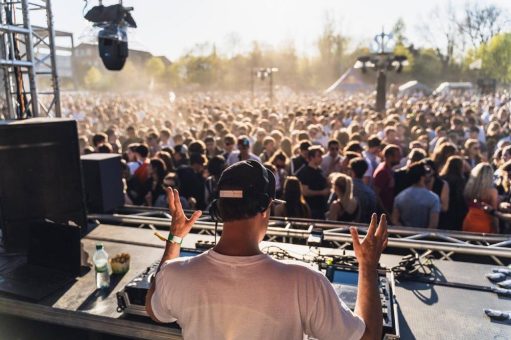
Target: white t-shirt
214,296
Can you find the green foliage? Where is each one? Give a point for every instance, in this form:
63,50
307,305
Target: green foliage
496,57
155,67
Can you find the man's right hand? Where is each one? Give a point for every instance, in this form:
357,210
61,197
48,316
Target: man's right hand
368,251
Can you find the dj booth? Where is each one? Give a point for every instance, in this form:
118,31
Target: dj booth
451,307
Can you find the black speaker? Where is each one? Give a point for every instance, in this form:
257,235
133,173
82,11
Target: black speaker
102,176
113,52
40,177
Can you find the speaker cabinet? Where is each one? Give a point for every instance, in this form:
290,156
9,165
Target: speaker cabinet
102,176
40,177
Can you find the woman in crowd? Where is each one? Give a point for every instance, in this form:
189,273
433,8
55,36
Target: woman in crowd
473,152
345,207
482,198
442,153
156,192
295,205
452,173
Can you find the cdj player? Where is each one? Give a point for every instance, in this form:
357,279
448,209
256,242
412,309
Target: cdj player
131,300
344,278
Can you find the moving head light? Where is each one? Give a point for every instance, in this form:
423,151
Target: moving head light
113,38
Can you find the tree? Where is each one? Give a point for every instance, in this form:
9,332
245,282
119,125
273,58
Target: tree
92,78
442,31
496,57
480,24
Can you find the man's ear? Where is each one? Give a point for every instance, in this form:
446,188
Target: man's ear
266,212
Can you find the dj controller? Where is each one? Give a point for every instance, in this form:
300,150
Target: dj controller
342,274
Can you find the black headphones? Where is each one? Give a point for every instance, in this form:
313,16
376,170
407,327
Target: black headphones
263,198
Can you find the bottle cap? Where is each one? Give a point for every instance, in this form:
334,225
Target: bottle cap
99,246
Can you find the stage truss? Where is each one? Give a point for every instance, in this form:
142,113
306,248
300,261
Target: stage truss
442,244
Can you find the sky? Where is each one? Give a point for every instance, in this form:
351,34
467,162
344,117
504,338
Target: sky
172,27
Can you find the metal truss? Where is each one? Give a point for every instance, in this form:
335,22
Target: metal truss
443,244
30,77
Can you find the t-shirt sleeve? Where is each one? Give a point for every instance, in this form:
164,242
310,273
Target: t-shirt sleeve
329,317
160,298
436,204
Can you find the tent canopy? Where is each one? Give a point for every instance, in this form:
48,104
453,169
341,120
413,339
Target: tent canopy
414,86
350,81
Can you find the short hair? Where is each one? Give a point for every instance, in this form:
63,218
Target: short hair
416,155
305,145
159,167
142,150
373,141
267,140
229,138
333,142
133,147
354,146
197,158
359,166
165,132
390,150
209,139
216,165
416,171
197,146
98,138
313,150
105,148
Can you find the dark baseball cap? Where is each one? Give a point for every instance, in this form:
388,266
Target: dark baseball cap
244,141
247,179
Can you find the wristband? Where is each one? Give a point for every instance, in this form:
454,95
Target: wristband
175,239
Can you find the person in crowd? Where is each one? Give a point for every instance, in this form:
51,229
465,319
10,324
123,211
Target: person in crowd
131,138
316,188
364,194
472,152
231,305
157,171
332,160
442,152
137,188
166,157
416,206
243,153
215,167
401,174
295,205
229,141
452,173
153,143
437,185
383,179
482,198
300,160
105,148
212,149
279,161
345,208
165,139
268,149
191,181
180,156
113,140
372,154
99,139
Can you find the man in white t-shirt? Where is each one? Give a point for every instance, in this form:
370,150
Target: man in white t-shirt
234,291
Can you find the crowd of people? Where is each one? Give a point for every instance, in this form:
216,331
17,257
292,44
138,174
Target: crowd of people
428,162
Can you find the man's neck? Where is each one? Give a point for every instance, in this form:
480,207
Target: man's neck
239,238
312,165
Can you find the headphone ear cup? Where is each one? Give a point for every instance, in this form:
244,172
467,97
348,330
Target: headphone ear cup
214,211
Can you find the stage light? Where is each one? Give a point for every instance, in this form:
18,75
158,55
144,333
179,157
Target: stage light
113,38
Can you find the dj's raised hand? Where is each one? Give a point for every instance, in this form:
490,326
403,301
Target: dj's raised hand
369,250
180,225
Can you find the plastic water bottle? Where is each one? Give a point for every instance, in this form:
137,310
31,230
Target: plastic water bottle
100,260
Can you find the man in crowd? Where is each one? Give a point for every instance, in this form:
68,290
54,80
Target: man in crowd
332,160
243,153
315,186
372,154
383,178
300,160
191,181
239,299
365,196
212,149
417,206
229,141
